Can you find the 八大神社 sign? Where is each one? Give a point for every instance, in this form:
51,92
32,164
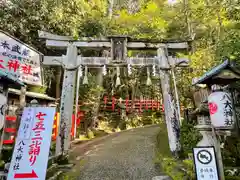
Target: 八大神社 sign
30,156
221,110
19,60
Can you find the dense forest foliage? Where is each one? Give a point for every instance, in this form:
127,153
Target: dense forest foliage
213,25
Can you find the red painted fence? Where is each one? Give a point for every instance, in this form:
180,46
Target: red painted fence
10,133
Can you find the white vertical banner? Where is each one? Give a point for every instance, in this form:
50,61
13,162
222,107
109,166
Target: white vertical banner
30,156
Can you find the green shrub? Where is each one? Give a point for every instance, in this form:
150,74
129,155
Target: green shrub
53,147
62,159
162,141
90,134
231,157
174,168
188,165
232,178
231,152
37,89
7,153
177,169
147,118
188,139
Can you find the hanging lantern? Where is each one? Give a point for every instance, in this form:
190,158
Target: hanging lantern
221,110
118,82
85,78
154,70
104,70
129,69
149,82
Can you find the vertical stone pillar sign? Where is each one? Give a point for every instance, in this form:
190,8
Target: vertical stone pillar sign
172,121
67,97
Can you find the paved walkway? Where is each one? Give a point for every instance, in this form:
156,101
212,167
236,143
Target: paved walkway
127,156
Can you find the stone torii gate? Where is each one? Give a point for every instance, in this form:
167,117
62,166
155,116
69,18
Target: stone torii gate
118,47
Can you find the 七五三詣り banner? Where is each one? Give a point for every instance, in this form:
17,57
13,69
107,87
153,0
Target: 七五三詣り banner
31,151
20,61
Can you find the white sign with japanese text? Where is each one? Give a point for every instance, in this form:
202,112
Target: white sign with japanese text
205,163
221,109
19,60
30,156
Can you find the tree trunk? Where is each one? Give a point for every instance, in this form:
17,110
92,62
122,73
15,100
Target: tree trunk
110,8
97,106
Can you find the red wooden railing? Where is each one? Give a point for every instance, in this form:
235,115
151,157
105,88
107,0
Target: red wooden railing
12,131
140,105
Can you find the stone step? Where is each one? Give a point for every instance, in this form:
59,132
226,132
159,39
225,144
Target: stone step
161,178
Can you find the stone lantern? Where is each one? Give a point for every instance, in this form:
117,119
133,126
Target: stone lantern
202,113
216,112
219,100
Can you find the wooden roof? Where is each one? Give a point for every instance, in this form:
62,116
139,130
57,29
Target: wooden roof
222,74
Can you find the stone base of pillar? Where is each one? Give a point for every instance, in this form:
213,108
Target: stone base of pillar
206,132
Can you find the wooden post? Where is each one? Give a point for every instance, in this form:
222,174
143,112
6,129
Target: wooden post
4,92
58,84
99,80
176,95
22,99
217,148
171,117
66,107
79,74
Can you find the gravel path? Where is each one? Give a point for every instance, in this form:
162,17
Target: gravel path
127,156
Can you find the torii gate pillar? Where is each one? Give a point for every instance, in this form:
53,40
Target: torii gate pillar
170,111
67,98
